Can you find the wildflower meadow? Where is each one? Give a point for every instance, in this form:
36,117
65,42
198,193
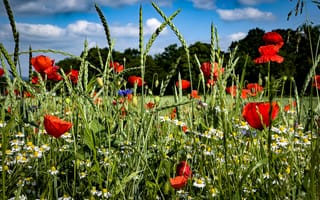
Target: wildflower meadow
67,135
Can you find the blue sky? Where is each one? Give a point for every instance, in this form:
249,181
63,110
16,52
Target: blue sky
66,24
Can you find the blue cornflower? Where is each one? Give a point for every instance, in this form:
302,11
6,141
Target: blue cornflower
124,92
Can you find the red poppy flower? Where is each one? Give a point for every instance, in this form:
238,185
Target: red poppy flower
1,72
273,38
254,88
316,82
129,97
232,90
287,107
55,126
135,79
73,75
52,73
183,169
244,93
35,80
210,82
257,114
194,94
178,182
123,111
173,113
268,53
41,63
206,68
185,84
26,94
150,105
184,128
116,67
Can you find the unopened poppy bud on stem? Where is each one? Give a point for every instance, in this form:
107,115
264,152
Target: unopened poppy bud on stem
100,81
156,83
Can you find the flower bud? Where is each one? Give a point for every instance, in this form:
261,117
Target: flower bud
100,81
157,99
68,100
156,83
135,100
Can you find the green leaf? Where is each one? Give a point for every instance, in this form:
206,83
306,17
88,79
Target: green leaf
251,169
88,139
95,126
121,185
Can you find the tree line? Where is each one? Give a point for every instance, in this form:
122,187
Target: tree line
299,52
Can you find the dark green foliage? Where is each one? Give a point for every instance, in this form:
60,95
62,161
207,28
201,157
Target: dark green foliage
296,53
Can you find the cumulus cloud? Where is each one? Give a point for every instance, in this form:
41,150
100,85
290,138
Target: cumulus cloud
204,4
50,7
85,28
132,30
118,3
152,24
254,2
80,28
71,37
67,6
38,31
5,31
243,14
237,36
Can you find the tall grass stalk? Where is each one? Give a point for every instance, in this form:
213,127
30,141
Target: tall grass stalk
105,25
14,31
184,45
269,140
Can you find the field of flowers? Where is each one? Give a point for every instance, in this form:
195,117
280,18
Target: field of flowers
65,136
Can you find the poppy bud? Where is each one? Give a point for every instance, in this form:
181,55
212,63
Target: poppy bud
135,100
100,81
68,100
157,99
156,83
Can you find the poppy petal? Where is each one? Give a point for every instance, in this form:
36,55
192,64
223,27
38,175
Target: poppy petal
55,126
178,182
257,114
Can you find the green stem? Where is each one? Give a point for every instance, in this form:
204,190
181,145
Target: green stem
270,97
55,185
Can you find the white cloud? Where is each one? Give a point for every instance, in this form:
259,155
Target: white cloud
51,7
237,36
71,38
254,2
46,7
5,31
204,4
119,3
243,14
151,25
85,28
132,30
38,31
81,29
129,30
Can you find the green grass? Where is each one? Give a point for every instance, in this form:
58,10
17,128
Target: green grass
120,149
